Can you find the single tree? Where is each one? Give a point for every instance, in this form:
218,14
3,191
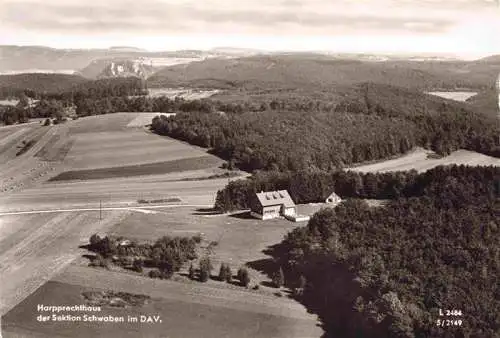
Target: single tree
205,269
299,290
94,240
279,278
243,276
138,265
229,274
191,271
223,272
302,282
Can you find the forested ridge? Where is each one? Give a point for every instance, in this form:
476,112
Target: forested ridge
387,271
322,71
372,122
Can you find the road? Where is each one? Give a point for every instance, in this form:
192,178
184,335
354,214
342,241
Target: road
131,208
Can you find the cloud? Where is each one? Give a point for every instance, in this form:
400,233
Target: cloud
462,26
176,17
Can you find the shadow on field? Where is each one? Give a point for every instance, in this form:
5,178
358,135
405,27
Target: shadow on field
277,254
85,246
268,284
90,257
242,215
206,211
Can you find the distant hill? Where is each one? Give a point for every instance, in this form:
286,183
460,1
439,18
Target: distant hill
126,49
105,68
39,82
16,59
490,59
316,71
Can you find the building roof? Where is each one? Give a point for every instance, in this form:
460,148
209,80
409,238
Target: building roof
268,198
333,195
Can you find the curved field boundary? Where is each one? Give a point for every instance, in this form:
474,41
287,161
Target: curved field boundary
195,163
136,208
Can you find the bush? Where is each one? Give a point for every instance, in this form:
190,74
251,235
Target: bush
197,238
138,265
161,274
166,274
155,273
100,261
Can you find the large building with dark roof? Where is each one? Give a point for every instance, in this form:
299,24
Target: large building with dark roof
272,204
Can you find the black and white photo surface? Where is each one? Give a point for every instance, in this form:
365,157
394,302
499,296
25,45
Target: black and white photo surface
253,168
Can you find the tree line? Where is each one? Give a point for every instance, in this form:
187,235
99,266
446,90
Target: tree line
87,97
316,186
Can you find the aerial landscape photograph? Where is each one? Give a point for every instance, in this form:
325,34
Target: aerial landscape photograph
219,169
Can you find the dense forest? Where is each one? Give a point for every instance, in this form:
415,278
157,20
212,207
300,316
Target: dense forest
485,102
387,272
344,133
66,87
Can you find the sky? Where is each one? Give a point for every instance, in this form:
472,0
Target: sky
466,28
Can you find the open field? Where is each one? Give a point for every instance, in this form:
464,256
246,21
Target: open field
185,93
144,119
418,160
102,123
128,148
12,102
457,96
34,247
175,165
187,308
199,316
240,239
10,134
21,170
77,145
